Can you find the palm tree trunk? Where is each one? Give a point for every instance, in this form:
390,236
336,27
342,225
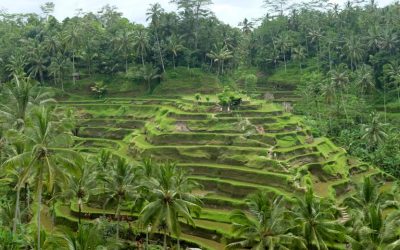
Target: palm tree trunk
126,64
39,201
179,243
173,60
118,216
159,52
17,210
79,210
344,106
329,57
142,58
147,240
28,198
165,240
41,77
284,60
384,100
149,86
73,67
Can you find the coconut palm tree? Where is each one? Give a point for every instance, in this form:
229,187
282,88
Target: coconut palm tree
220,55
340,79
315,221
373,229
388,40
299,54
123,44
365,79
247,26
121,184
354,50
148,73
49,154
267,225
374,132
87,237
174,45
15,171
367,194
80,185
393,71
16,65
153,14
168,201
284,44
141,42
21,96
73,39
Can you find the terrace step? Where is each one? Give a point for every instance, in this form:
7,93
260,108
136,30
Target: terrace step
235,189
243,174
207,138
105,132
119,123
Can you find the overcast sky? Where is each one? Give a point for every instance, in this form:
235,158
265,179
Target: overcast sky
229,11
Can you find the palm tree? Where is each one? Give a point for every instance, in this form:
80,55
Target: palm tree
87,237
15,170
365,79
37,61
247,26
73,40
141,42
267,226
174,45
316,222
168,201
374,133
388,40
393,71
20,96
220,56
79,186
283,43
120,184
57,67
148,73
49,154
340,79
367,194
299,54
153,14
354,50
316,35
16,65
372,229
123,42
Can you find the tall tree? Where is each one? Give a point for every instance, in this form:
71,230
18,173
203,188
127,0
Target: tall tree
120,185
141,43
174,45
168,201
316,222
49,155
267,226
153,14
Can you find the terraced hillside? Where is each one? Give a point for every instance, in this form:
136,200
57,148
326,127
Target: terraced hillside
259,146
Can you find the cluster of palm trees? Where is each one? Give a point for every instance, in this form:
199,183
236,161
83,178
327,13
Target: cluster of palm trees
38,160
369,219
107,43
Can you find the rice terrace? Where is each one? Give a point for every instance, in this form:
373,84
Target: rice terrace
279,132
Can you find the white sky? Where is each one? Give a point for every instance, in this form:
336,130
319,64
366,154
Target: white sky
229,11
